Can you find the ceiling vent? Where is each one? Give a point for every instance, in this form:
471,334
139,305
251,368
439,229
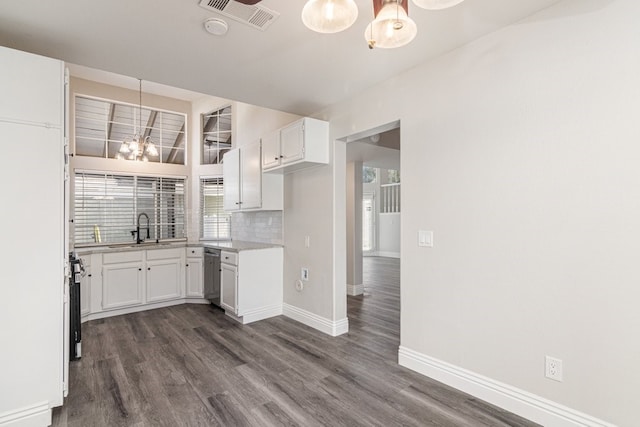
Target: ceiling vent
255,16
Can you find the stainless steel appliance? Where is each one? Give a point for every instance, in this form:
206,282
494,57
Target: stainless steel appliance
212,275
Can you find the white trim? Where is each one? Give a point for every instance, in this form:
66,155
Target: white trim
35,415
261,313
329,327
134,309
355,290
388,254
520,402
144,307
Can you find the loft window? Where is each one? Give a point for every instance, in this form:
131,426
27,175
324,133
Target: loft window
101,126
216,135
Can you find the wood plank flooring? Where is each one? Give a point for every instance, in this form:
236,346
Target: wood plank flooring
190,365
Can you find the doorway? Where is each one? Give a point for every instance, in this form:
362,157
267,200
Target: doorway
373,192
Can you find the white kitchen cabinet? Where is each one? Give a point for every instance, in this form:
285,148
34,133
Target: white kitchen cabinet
195,273
163,279
229,288
251,286
164,275
122,284
271,150
301,144
35,345
85,288
245,187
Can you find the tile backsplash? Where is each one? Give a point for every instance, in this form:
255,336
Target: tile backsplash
263,227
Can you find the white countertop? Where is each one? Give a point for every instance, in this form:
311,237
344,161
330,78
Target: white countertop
239,245
234,246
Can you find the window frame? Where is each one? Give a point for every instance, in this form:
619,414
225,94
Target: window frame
156,225
135,106
218,211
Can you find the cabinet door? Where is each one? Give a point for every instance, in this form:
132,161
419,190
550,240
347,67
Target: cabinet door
195,281
163,279
231,173
292,142
121,285
271,150
85,289
229,288
251,177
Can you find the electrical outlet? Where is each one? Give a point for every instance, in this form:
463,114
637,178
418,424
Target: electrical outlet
304,274
553,368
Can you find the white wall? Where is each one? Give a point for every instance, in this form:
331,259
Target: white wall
354,228
389,235
520,151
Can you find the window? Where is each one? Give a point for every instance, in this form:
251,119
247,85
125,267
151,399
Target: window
215,223
368,222
369,175
393,176
216,135
107,206
102,126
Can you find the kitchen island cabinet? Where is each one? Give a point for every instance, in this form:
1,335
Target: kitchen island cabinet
251,283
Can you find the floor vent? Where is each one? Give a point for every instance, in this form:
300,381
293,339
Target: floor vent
255,16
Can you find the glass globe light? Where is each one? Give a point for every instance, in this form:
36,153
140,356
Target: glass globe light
329,16
436,4
391,28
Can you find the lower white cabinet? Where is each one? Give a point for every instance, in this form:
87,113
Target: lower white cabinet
195,277
85,288
163,279
251,284
229,288
121,284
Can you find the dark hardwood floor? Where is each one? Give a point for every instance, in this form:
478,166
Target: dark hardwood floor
190,365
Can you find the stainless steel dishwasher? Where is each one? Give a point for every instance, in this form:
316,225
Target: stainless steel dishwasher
212,275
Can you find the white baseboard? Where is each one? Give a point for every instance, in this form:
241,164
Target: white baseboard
134,309
32,416
329,327
388,254
520,402
355,290
261,313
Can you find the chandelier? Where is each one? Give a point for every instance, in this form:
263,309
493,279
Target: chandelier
390,28
139,147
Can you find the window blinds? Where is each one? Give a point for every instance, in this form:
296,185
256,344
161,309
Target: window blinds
106,207
215,223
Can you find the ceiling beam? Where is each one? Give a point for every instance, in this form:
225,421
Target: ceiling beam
112,111
174,150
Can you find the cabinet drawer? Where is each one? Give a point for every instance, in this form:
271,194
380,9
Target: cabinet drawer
195,252
164,253
229,257
118,257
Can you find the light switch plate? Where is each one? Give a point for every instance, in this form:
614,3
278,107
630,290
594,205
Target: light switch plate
425,238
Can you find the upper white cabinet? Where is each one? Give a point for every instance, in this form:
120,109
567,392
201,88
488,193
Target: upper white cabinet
245,188
301,144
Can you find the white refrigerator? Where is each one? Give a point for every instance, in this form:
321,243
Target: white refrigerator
34,239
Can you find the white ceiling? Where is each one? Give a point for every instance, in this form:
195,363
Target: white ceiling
287,67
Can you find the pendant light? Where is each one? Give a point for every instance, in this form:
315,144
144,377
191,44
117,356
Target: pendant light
329,16
392,26
137,148
436,4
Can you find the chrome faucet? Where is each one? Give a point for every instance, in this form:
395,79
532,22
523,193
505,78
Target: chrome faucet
138,239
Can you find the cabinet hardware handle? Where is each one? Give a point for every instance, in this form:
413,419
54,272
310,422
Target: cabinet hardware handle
187,265
281,156
148,268
139,269
276,158
89,275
